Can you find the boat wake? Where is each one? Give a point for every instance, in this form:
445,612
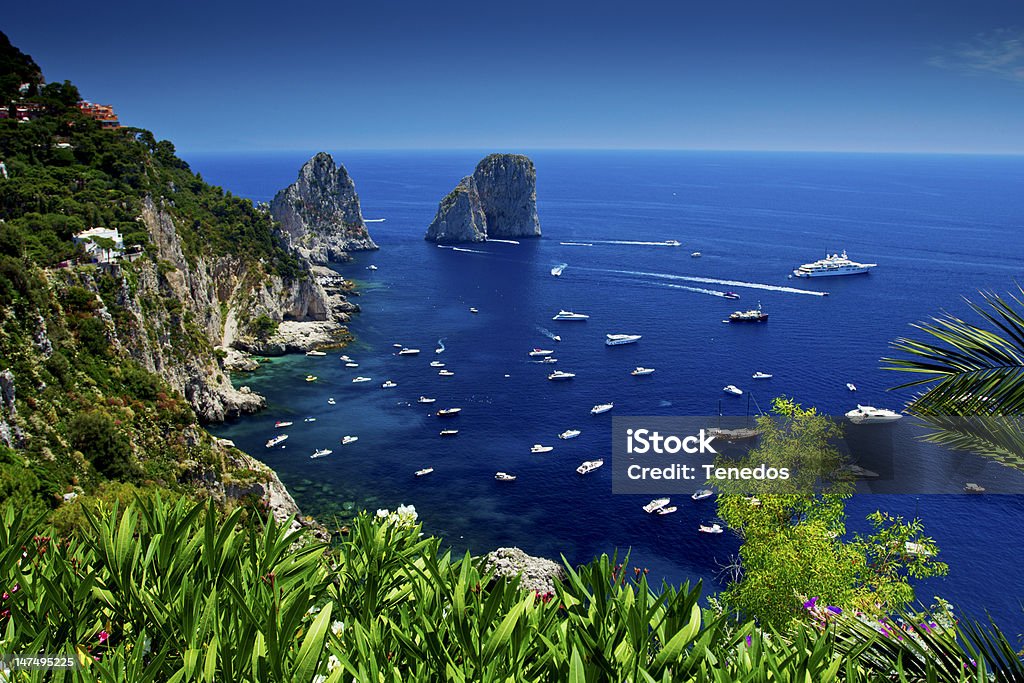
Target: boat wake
374,220
576,244
503,241
636,243
440,346
715,281
453,248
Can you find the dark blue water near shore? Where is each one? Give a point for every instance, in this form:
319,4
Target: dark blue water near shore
940,228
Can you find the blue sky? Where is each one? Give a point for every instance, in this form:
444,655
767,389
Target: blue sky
899,75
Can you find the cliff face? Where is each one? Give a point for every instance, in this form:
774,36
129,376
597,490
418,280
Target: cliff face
319,213
460,216
498,200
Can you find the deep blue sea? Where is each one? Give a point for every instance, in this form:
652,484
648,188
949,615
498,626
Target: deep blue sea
940,228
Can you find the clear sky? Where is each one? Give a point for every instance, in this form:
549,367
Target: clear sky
898,75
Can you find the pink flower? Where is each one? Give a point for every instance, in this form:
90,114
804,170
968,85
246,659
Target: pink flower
104,637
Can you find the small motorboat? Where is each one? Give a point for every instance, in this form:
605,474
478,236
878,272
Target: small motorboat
589,466
971,487
640,371
345,358
351,365
331,401
871,415
424,399
389,384
345,440
282,423
309,419
449,432
357,380
424,472
320,453
473,310
314,352
731,295
539,353
667,511
695,254
538,448
311,378
276,440
732,389
560,375
549,359
504,476
601,408
569,434
449,412
655,504
569,315
710,529
672,243
701,494
557,270
436,364
409,352
761,375
446,373
851,386
371,267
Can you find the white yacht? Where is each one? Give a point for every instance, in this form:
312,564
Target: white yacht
436,364
569,315
504,476
388,384
445,373
601,408
617,339
345,440
589,466
761,375
314,352
409,352
283,423
537,448
732,389
557,270
871,415
711,529
449,412
836,264
276,440
559,374
540,353
356,380
639,371
425,471
424,399
701,494
569,434
851,386
321,452
655,504
667,511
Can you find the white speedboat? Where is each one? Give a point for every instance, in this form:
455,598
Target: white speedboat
540,353
569,315
619,339
445,373
436,364
557,270
732,389
971,487
672,243
504,476
314,352
345,440
448,412
851,386
601,408
835,264
701,494
473,310
408,352
282,423
695,254
321,452
560,375
569,434
309,419
639,371
331,401
424,399
351,365
398,346
761,375
357,380
589,466
345,358
371,267
549,359
389,384
276,440
424,472
449,432
871,415
656,504
538,448
710,529
667,511
311,378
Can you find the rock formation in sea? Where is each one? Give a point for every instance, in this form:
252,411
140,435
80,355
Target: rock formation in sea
319,213
498,201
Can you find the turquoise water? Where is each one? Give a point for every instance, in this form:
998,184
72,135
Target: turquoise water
940,228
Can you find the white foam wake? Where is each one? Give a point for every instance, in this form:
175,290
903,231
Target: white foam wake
503,241
576,244
548,333
374,220
635,243
729,283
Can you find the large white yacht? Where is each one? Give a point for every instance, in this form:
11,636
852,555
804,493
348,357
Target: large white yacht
836,264
871,415
616,339
569,315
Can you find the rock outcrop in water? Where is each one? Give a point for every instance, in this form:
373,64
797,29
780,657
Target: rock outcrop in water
319,213
498,201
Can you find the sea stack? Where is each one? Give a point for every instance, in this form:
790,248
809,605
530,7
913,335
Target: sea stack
499,200
319,213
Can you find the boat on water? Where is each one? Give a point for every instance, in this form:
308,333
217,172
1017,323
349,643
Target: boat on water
557,270
732,389
311,378
731,295
345,440
655,505
618,339
276,440
331,401
761,375
538,448
640,370
672,243
539,353
388,384
448,412
424,472
667,510
754,315
345,358
696,254
351,365
449,432
424,399
569,434
371,267
473,310
851,386
556,338
356,380
549,359
569,315
871,415
836,264
711,529
436,364
701,494
398,346
321,452
408,352
445,373
560,375
316,353
439,349
309,419
283,423
971,487
601,408
589,466
504,476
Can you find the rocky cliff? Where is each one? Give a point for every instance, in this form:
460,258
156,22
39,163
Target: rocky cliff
319,213
498,201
